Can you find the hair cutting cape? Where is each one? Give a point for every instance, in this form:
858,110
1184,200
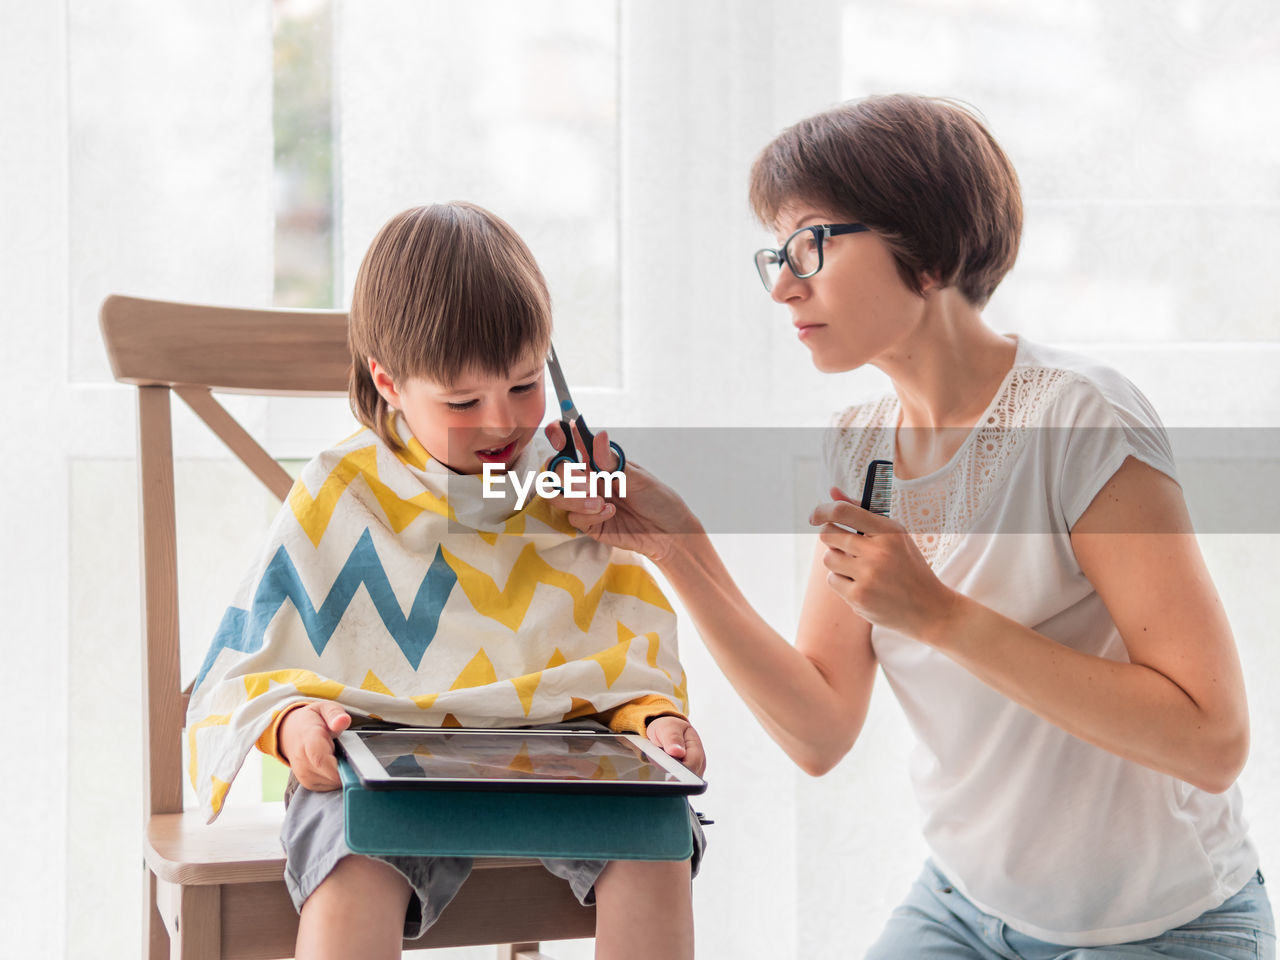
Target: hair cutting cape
391,585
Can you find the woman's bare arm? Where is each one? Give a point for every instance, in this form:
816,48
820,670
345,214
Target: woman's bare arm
1179,705
812,698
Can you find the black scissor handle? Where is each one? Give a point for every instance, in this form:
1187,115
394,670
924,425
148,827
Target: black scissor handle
569,452
589,439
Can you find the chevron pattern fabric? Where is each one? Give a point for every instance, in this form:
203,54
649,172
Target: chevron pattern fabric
389,584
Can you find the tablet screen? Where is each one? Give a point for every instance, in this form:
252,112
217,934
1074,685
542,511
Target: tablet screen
519,759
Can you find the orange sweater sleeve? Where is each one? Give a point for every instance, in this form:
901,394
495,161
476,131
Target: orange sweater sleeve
269,742
634,715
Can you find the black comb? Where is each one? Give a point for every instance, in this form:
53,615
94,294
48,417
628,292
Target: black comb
878,489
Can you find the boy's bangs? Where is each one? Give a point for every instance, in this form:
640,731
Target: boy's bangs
490,319
497,343
464,294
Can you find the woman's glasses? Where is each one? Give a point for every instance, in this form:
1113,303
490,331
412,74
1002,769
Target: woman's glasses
802,253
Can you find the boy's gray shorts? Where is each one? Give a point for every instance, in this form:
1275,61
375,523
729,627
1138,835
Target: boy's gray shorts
314,840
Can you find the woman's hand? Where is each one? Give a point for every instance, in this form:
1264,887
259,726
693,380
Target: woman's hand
647,520
677,737
306,742
881,574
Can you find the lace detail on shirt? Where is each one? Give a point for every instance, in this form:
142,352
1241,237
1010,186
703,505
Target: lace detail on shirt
940,509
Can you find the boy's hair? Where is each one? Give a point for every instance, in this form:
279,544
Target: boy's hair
922,172
444,290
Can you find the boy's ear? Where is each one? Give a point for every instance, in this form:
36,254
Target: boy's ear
383,383
930,281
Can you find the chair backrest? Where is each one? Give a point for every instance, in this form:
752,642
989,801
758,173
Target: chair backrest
190,350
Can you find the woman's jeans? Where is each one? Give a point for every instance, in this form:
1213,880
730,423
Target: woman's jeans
937,922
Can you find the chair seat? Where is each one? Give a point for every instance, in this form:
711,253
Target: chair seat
504,900
241,846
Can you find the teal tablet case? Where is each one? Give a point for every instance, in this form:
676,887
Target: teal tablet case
490,823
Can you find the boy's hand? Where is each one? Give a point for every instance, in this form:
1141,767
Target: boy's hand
677,737
306,742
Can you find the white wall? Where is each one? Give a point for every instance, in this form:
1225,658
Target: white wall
135,144
136,153
34,518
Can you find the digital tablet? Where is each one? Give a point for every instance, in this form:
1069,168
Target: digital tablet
554,760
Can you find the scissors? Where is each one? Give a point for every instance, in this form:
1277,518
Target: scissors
570,417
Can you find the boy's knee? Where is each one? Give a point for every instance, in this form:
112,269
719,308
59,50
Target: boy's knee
357,910
645,878
355,875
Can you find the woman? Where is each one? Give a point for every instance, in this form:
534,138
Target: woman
1076,693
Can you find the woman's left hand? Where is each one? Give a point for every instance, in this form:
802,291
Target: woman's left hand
881,574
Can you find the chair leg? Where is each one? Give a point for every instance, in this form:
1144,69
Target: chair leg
520,951
199,933
155,938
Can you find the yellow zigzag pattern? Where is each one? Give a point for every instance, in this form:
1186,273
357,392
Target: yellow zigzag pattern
219,786
579,708
314,513
480,671
374,685
413,453
307,683
477,673
613,660
540,510
527,684
509,605
681,689
626,633
682,692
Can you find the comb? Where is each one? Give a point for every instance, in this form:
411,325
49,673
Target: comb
877,491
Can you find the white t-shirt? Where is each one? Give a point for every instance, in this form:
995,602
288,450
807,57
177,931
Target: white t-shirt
1062,840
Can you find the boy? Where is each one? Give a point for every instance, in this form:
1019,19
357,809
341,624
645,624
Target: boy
434,605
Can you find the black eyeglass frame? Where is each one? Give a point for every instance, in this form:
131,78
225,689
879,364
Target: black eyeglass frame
820,231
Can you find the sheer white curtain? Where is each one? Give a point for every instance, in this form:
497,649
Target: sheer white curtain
136,158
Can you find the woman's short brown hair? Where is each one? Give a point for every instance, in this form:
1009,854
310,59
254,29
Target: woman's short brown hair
922,172
444,289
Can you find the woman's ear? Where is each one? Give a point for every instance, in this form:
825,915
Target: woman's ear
384,383
930,282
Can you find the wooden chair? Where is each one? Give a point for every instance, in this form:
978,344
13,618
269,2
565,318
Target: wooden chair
217,891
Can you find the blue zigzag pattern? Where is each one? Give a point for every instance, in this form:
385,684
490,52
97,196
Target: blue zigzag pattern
243,630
